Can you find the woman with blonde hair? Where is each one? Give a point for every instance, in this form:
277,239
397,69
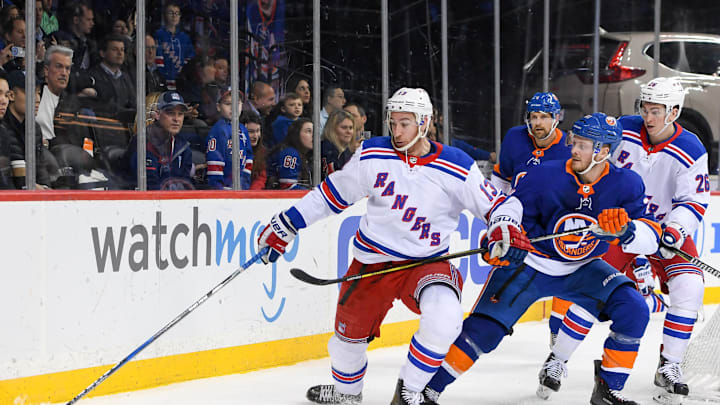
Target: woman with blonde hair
337,138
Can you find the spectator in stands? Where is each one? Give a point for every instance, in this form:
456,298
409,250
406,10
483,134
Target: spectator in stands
14,37
174,45
154,79
115,89
56,70
219,149
260,100
169,159
333,99
49,22
13,130
258,176
336,139
196,83
222,72
297,84
291,108
80,20
360,117
120,30
290,163
6,172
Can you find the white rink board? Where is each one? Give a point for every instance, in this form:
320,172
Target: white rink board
64,313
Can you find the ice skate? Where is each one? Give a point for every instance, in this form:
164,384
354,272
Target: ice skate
431,396
669,377
404,396
326,394
553,370
604,395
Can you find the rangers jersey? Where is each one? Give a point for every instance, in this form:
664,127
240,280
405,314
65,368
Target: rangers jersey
675,172
289,169
519,153
413,205
569,204
219,156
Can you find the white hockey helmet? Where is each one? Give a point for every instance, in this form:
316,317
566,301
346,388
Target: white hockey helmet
413,100
663,90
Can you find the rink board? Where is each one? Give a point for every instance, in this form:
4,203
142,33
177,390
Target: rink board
91,276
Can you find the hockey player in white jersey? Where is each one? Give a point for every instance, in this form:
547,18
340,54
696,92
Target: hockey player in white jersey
416,190
673,165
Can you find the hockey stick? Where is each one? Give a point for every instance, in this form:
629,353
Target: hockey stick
694,260
305,277
172,323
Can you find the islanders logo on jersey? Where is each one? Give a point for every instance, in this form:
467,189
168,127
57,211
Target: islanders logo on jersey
577,246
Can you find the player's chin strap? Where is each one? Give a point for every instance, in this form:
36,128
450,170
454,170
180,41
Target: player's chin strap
594,162
422,133
551,132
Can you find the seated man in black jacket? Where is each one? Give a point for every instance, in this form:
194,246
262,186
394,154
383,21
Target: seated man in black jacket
115,88
12,130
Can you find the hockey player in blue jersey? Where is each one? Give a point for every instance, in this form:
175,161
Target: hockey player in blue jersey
673,165
525,147
415,192
219,148
587,191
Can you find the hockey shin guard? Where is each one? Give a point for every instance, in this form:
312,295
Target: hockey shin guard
440,324
628,312
686,293
349,363
479,335
575,326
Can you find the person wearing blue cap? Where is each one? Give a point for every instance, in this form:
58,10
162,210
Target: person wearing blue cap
169,158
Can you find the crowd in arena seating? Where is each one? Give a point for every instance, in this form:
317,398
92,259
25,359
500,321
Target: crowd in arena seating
86,106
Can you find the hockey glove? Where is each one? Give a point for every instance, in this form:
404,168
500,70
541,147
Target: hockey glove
673,236
643,276
277,234
614,226
493,261
506,241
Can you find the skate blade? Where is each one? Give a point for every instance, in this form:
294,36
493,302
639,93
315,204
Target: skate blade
666,398
543,392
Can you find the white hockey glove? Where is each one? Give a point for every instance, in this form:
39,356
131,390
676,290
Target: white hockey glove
643,276
276,235
673,236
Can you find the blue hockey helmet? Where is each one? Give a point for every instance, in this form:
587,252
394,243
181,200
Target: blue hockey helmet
544,102
601,128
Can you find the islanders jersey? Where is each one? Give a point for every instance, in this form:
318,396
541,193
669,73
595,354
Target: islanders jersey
519,153
569,204
219,156
413,205
675,172
288,168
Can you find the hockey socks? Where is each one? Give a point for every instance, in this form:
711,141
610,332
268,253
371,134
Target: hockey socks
559,308
575,327
677,330
440,325
479,335
628,312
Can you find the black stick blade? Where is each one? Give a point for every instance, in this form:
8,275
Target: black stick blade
307,278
